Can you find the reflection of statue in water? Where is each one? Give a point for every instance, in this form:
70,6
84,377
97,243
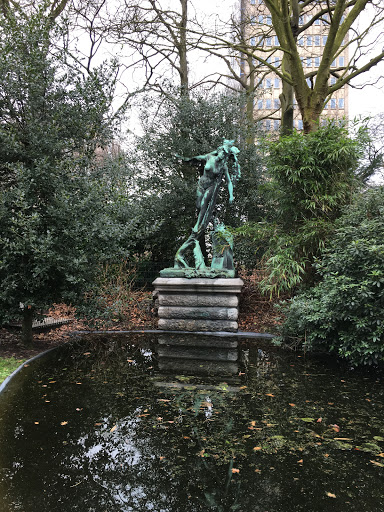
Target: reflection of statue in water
218,164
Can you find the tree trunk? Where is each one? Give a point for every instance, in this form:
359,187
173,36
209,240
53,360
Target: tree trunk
250,107
26,330
286,104
183,69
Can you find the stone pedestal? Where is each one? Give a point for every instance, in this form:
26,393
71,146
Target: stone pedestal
198,304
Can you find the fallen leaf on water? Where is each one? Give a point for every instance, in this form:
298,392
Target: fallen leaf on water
161,458
330,495
335,427
256,448
300,461
257,470
326,454
130,361
343,439
113,428
52,382
234,470
292,405
253,423
86,354
319,420
269,394
380,454
98,424
37,422
163,400
377,463
64,423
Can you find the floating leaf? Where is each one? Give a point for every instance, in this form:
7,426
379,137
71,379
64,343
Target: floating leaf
257,448
113,428
292,405
307,420
330,495
234,470
269,394
377,463
64,423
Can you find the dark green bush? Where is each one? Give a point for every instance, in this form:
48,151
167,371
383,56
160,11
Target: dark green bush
344,312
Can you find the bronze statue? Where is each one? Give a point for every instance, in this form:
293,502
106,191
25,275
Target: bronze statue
220,163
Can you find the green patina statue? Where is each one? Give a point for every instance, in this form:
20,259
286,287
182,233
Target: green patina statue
220,164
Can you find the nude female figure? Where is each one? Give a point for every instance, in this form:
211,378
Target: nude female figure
216,166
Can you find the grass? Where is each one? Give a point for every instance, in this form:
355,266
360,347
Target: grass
8,365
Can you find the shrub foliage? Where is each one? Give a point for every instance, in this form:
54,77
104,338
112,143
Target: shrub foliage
344,312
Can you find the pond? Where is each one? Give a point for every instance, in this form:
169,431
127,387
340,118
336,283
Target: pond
147,422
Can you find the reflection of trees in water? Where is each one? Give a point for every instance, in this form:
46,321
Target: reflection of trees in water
137,447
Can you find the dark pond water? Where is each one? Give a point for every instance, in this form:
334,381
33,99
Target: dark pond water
128,424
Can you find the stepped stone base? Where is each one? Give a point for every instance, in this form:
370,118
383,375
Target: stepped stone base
198,304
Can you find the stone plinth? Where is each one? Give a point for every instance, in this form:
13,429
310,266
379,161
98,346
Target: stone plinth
198,304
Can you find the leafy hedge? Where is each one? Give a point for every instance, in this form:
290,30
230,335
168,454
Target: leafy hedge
344,312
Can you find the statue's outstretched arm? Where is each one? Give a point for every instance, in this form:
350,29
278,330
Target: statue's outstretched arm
197,158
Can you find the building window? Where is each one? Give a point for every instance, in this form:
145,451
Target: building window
301,41
317,40
277,83
334,63
269,41
268,83
300,124
269,60
269,20
268,103
268,124
301,20
308,62
276,124
333,80
317,62
309,40
259,104
253,20
277,62
261,19
325,106
276,41
325,40
341,102
253,41
333,103
261,2
276,103
308,82
317,21
341,61
253,2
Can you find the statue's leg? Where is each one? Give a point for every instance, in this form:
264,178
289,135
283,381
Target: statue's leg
199,258
180,261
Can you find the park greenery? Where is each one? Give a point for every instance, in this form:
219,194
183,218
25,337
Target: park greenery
76,198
